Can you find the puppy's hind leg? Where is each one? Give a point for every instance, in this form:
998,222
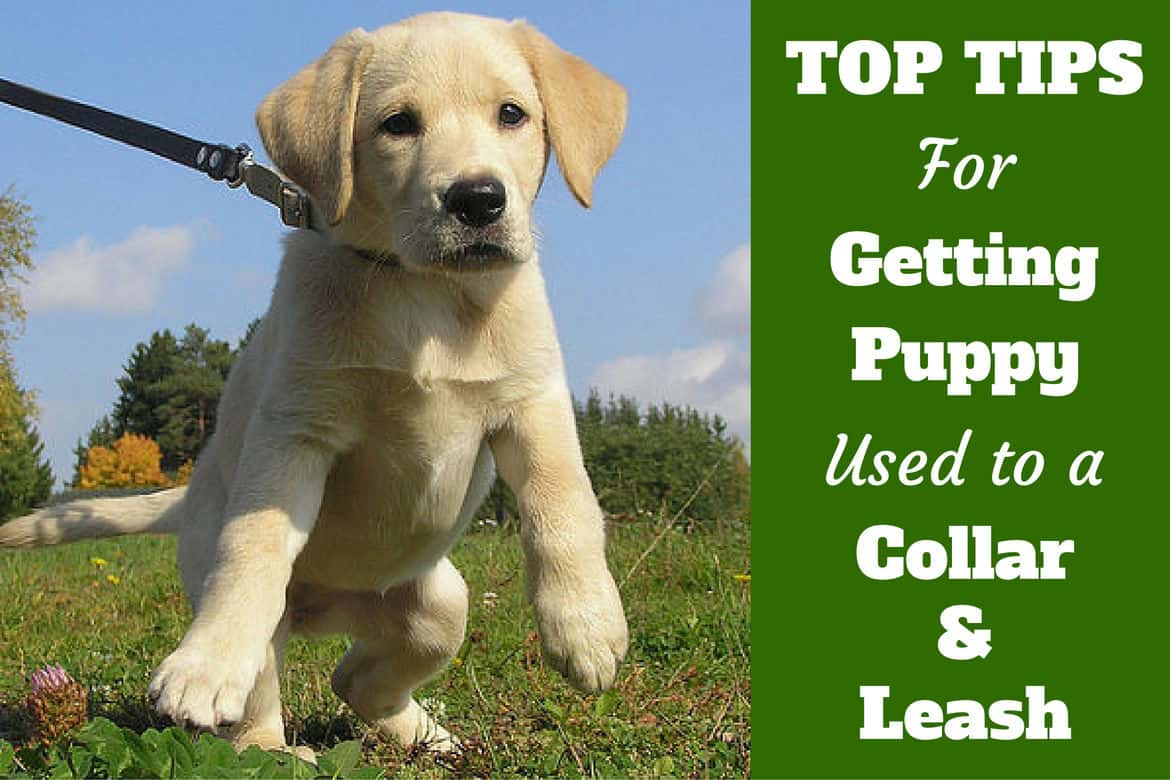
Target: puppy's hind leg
401,639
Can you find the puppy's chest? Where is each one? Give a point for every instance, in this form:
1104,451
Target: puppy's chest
419,440
397,500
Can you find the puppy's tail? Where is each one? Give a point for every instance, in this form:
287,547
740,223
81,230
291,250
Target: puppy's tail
96,518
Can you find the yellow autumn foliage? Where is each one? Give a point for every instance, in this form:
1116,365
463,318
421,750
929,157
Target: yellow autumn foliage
133,461
15,403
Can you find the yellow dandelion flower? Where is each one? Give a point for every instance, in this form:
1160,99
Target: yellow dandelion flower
113,579
457,661
743,578
101,563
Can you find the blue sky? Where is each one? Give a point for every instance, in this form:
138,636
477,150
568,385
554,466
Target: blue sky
649,288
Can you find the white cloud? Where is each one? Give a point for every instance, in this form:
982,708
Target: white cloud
122,278
726,304
714,376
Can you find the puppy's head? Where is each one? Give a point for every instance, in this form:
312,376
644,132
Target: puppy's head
428,139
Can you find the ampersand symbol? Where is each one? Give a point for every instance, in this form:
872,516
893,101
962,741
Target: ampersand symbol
958,642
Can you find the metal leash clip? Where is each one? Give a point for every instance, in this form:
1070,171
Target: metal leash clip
263,182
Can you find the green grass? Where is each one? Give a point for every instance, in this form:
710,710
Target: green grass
681,705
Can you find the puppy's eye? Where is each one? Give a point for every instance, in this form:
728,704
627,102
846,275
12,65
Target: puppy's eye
402,123
511,115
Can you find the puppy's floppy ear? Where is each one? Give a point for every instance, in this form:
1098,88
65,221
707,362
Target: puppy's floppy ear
585,110
307,124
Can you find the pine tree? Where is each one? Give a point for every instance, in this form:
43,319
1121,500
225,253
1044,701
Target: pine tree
26,480
141,386
187,415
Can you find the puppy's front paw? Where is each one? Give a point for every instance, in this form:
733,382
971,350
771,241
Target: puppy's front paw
584,634
202,690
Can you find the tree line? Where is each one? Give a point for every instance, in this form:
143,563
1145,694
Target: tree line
667,460
666,463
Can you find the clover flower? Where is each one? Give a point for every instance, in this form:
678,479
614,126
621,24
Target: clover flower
56,704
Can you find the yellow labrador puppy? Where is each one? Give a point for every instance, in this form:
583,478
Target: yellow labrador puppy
407,347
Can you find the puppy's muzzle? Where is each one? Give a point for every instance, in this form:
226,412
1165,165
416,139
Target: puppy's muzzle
476,202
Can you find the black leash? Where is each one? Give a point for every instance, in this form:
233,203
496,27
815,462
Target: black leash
233,165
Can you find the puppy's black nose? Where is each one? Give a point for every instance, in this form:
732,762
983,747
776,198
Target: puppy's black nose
475,202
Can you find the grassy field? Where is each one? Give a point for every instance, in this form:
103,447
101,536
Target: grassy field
110,611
